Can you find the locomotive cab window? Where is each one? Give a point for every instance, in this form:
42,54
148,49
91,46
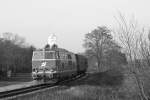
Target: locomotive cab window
69,56
49,55
38,55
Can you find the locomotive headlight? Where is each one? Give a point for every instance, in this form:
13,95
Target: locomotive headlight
51,70
34,70
50,73
34,75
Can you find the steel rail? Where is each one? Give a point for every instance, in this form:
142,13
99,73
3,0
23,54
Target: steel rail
16,92
24,90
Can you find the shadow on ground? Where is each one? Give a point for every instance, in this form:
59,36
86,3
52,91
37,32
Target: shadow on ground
107,78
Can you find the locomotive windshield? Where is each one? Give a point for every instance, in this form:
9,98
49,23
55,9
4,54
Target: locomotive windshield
49,55
39,55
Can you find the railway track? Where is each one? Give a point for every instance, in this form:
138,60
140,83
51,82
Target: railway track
22,91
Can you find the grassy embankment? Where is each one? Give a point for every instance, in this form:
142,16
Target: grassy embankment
109,85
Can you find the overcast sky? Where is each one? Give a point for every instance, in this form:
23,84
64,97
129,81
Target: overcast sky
69,20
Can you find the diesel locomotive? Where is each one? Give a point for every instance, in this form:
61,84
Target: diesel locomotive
53,63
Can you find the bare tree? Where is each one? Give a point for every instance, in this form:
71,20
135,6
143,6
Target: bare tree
14,38
97,43
129,36
145,48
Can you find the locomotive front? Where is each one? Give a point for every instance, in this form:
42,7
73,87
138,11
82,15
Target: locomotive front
43,64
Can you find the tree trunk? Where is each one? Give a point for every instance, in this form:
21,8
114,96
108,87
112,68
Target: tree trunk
98,64
141,88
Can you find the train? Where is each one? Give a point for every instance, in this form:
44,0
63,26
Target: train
55,64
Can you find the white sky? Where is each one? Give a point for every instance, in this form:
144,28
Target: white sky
68,19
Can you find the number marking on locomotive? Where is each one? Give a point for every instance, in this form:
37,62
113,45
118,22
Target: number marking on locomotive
43,64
